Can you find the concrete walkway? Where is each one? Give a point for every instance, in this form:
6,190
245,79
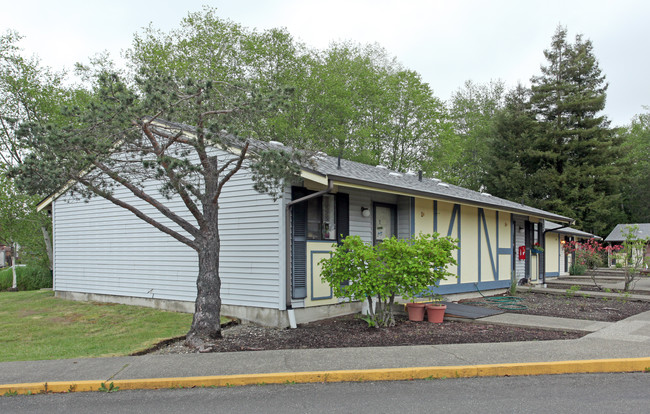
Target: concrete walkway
610,347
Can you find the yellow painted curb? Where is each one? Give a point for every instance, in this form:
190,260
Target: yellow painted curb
386,374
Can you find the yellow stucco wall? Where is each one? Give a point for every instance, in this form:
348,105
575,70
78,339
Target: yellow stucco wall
319,291
469,245
442,216
445,211
424,216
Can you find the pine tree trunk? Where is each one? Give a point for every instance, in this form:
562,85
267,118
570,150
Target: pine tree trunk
206,326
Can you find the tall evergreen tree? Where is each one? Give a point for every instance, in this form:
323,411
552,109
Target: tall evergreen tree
508,161
574,156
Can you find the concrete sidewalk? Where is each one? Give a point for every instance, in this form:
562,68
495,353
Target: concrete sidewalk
608,348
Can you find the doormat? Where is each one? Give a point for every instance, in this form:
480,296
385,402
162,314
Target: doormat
456,310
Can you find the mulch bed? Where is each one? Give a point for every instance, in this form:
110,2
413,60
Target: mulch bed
593,288
350,331
574,306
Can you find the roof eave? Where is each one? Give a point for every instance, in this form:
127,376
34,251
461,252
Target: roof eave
427,194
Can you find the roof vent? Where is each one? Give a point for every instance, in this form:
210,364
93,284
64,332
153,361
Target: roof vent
278,143
394,174
436,180
487,194
383,167
410,173
443,184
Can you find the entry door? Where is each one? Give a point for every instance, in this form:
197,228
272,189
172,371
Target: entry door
385,222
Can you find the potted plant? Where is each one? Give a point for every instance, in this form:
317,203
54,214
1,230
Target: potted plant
537,249
436,309
415,311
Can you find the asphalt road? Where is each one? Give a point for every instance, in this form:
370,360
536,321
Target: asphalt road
588,393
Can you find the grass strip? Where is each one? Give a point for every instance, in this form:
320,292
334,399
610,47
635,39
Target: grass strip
35,325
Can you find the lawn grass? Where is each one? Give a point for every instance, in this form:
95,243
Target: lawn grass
35,325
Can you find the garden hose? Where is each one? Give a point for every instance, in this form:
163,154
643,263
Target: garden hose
503,302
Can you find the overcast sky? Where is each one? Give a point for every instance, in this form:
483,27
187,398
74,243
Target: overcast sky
447,42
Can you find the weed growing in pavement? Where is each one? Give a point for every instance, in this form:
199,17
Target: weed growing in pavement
111,387
11,393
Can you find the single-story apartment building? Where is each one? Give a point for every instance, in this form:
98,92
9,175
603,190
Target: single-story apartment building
617,237
557,260
270,249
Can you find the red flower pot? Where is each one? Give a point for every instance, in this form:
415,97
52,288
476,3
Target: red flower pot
415,311
436,312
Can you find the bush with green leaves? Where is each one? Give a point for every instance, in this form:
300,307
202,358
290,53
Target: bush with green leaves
577,269
27,278
395,267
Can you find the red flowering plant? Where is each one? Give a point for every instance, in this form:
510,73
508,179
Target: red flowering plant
590,254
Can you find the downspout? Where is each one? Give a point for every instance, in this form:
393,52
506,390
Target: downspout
544,246
289,237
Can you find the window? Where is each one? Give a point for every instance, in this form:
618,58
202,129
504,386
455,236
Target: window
321,218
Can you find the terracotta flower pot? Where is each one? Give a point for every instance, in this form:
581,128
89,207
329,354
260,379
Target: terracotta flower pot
436,312
415,311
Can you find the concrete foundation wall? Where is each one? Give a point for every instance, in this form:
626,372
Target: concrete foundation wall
247,314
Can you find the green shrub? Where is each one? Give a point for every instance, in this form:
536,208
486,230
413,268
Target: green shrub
577,269
395,267
27,278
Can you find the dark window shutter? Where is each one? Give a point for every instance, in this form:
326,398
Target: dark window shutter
299,246
342,221
342,216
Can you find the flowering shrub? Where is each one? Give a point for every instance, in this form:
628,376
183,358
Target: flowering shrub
589,255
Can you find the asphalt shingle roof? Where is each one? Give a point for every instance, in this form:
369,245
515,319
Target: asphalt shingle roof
549,225
617,234
363,174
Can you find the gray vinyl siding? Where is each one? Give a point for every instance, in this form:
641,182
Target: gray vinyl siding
359,225
520,240
404,230
104,249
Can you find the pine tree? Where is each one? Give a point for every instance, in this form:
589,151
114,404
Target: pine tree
575,153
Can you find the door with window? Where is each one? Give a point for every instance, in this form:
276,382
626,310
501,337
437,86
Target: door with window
385,222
